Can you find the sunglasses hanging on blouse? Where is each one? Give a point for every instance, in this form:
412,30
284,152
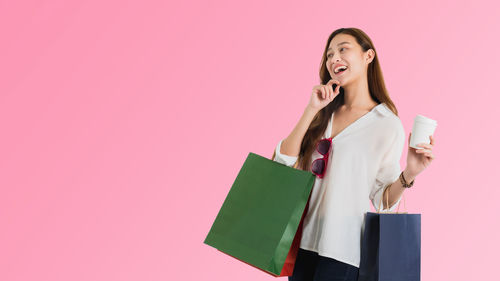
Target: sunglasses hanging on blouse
318,166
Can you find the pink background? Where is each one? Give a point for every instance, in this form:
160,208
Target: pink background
124,123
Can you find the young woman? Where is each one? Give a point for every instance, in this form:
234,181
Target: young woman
352,139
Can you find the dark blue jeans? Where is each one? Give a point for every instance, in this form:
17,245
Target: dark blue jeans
310,266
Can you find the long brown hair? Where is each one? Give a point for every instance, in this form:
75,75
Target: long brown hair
376,86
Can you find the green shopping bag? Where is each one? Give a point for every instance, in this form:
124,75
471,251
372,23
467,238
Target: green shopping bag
262,215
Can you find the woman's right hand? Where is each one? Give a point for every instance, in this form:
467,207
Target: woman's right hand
322,95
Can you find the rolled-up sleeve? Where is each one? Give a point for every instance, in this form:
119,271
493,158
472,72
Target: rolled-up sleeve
389,170
283,158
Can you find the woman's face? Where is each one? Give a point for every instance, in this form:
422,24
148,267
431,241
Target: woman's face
344,50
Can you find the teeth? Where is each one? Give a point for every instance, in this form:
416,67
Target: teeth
339,68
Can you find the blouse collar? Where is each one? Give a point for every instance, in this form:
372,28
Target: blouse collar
383,109
380,108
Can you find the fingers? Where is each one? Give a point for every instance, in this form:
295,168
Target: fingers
427,148
327,91
330,82
426,145
426,152
328,88
337,89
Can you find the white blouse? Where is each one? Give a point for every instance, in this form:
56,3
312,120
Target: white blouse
364,159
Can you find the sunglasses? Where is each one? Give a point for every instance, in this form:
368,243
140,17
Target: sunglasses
318,166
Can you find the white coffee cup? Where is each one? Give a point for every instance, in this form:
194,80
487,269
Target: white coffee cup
423,127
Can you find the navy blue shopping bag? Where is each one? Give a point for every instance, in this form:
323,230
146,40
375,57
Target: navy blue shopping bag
390,248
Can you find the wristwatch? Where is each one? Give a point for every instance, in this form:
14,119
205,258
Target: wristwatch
403,181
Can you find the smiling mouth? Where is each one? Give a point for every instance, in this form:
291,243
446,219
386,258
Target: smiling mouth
339,70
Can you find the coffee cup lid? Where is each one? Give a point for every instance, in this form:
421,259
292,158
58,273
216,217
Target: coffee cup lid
423,119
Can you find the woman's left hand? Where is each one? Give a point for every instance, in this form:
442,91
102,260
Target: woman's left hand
419,159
